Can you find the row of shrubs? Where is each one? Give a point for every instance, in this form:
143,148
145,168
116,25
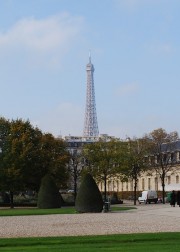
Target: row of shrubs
89,198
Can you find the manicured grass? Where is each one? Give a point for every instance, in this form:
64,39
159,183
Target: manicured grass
121,208
159,242
36,211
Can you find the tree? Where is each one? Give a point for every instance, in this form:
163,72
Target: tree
88,198
132,163
162,147
75,168
18,155
4,132
48,195
55,158
100,160
27,155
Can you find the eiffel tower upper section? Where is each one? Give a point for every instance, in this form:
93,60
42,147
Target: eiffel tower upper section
90,122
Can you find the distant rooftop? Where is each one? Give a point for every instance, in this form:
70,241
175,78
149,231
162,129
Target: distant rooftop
104,137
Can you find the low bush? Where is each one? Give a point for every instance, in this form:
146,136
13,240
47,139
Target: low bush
48,196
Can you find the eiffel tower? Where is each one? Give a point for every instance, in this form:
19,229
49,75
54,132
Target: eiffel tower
90,122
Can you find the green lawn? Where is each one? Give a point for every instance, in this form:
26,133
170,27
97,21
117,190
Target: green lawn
159,242
36,211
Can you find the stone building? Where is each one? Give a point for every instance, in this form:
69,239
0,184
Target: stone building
150,180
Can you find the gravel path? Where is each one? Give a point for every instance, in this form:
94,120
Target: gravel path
146,218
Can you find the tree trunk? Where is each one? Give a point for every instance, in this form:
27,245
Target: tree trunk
11,199
75,182
105,189
163,189
135,187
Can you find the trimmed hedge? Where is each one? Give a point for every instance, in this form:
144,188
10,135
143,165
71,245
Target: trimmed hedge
48,195
88,198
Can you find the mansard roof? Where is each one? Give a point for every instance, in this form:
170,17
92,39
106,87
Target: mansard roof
171,147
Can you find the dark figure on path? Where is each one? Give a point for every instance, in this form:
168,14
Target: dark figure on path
178,198
173,199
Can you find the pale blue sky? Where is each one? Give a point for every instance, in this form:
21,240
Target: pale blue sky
135,49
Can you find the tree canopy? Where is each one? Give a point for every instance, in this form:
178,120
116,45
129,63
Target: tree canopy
101,159
162,146
27,155
132,162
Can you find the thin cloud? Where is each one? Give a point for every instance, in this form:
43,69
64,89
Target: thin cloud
164,48
42,35
53,35
128,89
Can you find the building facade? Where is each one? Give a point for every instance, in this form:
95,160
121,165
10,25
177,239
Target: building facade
150,180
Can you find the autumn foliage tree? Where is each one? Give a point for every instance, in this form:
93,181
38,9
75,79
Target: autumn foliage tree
101,159
131,161
27,155
18,156
54,159
162,147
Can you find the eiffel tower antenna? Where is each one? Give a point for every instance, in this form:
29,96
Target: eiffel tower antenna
89,56
90,121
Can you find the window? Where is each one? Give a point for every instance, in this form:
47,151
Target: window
109,186
178,156
158,158
169,180
117,182
172,157
149,183
131,185
164,158
138,185
126,186
143,184
177,179
101,185
156,183
122,186
113,186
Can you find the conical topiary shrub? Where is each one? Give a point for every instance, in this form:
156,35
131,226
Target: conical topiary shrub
48,196
88,198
